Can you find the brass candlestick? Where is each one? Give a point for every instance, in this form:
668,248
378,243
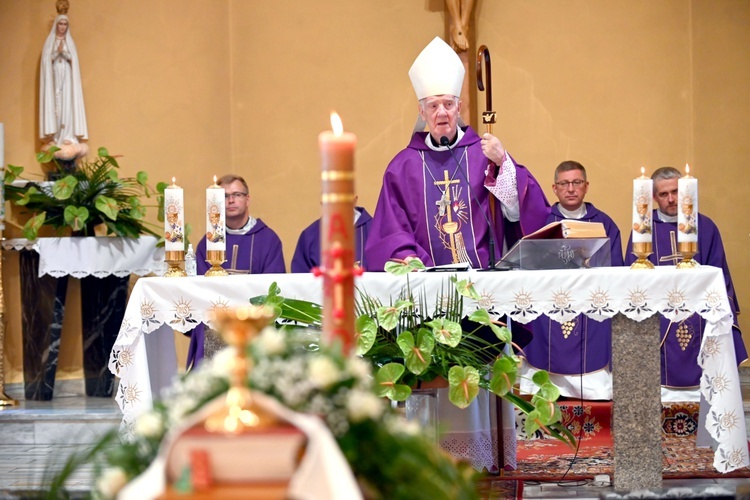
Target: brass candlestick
216,258
642,251
238,327
688,250
176,261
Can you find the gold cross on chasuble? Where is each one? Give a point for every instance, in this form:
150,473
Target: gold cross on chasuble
449,226
676,256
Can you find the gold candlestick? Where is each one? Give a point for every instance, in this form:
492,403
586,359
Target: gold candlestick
238,327
642,251
688,250
216,258
176,261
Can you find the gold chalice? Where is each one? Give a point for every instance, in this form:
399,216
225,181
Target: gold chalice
238,327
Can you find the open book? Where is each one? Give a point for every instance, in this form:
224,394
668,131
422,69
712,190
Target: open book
568,229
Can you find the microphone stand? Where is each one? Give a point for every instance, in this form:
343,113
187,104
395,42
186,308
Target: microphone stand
491,265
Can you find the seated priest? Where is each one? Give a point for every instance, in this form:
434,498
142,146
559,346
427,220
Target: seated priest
251,248
443,199
681,341
441,192
576,353
307,253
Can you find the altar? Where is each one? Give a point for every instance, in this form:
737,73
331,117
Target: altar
144,357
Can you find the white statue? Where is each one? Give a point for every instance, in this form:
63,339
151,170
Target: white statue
62,116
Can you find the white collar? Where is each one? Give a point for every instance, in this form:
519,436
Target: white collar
430,145
578,213
664,217
244,229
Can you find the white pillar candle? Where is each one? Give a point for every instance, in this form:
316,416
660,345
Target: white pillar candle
643,208
174,218
687,209
215,218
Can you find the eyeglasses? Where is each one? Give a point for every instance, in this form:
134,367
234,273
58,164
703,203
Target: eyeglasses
576,183
235,196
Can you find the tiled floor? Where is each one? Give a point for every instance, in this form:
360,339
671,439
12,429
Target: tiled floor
24,467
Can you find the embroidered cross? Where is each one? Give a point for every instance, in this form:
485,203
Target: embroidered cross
449,227
675,257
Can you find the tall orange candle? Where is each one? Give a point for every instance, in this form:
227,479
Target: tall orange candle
337,233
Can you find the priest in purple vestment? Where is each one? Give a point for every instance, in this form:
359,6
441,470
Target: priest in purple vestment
681,341
307,253
576,353
252,248
441,192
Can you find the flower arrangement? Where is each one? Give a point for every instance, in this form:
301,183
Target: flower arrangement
409,346
389,456
85,197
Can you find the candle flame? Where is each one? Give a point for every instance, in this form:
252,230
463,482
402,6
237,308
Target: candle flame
174,180
338,127
687,169
214,179
643,171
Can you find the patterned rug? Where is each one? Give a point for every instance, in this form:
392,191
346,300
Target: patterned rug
550,460
492,488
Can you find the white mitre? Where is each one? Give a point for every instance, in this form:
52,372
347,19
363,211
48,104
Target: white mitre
437,71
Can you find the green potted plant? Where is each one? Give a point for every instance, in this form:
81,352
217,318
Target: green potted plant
91,195
409,346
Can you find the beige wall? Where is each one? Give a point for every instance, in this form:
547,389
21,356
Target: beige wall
193,88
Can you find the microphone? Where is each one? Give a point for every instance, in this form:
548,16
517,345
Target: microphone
491,267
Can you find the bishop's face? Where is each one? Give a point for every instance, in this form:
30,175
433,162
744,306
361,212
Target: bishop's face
441,112
665,195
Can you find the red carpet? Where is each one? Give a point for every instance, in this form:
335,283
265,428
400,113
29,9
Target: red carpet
551,460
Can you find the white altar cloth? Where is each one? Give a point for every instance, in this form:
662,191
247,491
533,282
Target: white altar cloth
98,256
600,293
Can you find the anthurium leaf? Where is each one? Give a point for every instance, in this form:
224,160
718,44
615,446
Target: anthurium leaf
548,411
386,382
464,385
415,264
31,228
107,206
540,378
11,173
76,217
365,330
102,151
418,355
63,188
137,210
47,156
532,422
466,288
388,316
397,268
446,331
142,178
504,373
27,196
548,391
112,174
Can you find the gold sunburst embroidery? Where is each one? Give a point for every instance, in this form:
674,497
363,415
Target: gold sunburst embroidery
561,299
675,298
638,297
713,298
523,299
147,310
720,383
486,300
711,346
125,358
132,394
737,457
729,420
182,308
599,298
221,304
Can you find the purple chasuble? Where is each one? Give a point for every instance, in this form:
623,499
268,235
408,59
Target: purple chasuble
258,252
426,209
681,342
307,253
581,345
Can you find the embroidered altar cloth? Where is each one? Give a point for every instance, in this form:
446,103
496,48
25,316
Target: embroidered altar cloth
94,256
598,293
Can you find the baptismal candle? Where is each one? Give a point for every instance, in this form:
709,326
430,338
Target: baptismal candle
643,201
687,208
174,219
337,232
215,218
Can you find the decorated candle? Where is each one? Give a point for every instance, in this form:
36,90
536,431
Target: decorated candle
174,219
337,233
643,201
215,218
687,208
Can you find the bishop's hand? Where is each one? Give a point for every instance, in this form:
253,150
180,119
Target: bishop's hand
493,148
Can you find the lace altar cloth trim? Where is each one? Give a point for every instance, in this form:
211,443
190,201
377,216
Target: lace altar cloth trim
94,256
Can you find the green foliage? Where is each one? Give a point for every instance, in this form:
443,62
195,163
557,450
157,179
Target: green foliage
93,194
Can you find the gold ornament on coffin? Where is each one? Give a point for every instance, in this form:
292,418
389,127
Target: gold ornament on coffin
238,327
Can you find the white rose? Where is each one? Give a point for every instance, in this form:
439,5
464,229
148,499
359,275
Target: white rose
272,341
111,481
362,405
149,425
322,371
